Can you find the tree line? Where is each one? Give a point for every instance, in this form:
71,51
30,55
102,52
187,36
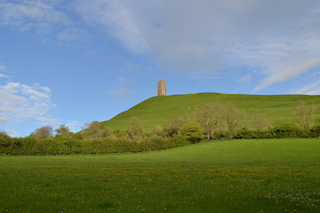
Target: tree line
212,121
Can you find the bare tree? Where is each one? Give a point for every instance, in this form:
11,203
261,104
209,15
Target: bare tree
175,124
42,132
209,117
135,128
305,115
157,130
260,121
93,130
232,117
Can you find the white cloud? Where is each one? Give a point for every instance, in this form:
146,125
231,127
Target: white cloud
19,102
122,93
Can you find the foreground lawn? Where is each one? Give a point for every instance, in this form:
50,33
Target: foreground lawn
225,176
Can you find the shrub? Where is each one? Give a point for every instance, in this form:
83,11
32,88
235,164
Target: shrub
192,131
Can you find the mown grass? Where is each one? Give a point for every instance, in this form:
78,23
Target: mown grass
222,176
157,110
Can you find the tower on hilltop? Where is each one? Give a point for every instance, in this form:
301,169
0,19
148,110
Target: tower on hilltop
162,89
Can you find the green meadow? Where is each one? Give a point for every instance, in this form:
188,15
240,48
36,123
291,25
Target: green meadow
266,175
157,110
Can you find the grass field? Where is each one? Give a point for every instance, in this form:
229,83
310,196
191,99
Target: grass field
221,176
157,110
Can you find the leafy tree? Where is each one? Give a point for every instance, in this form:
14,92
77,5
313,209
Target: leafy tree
135,128
42,132
261,121
305,115
209,117
232,117
5,141
63,129
192,131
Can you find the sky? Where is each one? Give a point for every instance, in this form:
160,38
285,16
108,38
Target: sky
77,61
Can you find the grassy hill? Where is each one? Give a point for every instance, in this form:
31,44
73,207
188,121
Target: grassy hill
157,110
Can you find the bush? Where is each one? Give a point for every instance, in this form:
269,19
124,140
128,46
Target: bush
192,131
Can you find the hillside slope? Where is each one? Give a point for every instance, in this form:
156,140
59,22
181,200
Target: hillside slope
157,110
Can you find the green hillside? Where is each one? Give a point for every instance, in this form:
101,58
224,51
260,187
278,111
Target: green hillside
157,110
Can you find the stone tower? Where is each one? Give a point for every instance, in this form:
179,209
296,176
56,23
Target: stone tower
162,89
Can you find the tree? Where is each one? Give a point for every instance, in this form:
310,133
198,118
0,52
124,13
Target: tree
157,130
135,128
209,117
63,129
93,130
260,121
42,132
192,131
305,115
232,117
175,124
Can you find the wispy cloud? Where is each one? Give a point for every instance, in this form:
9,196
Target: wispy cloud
11,133
122,93
3,68
74,125
311,89
30,14
117,18
3,76
278,39
245,79
73,35
287,70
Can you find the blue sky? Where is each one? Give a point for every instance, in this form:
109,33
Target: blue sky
77,61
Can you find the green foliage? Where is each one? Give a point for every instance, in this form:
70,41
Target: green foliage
63,129
97,139
5,140
192,131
